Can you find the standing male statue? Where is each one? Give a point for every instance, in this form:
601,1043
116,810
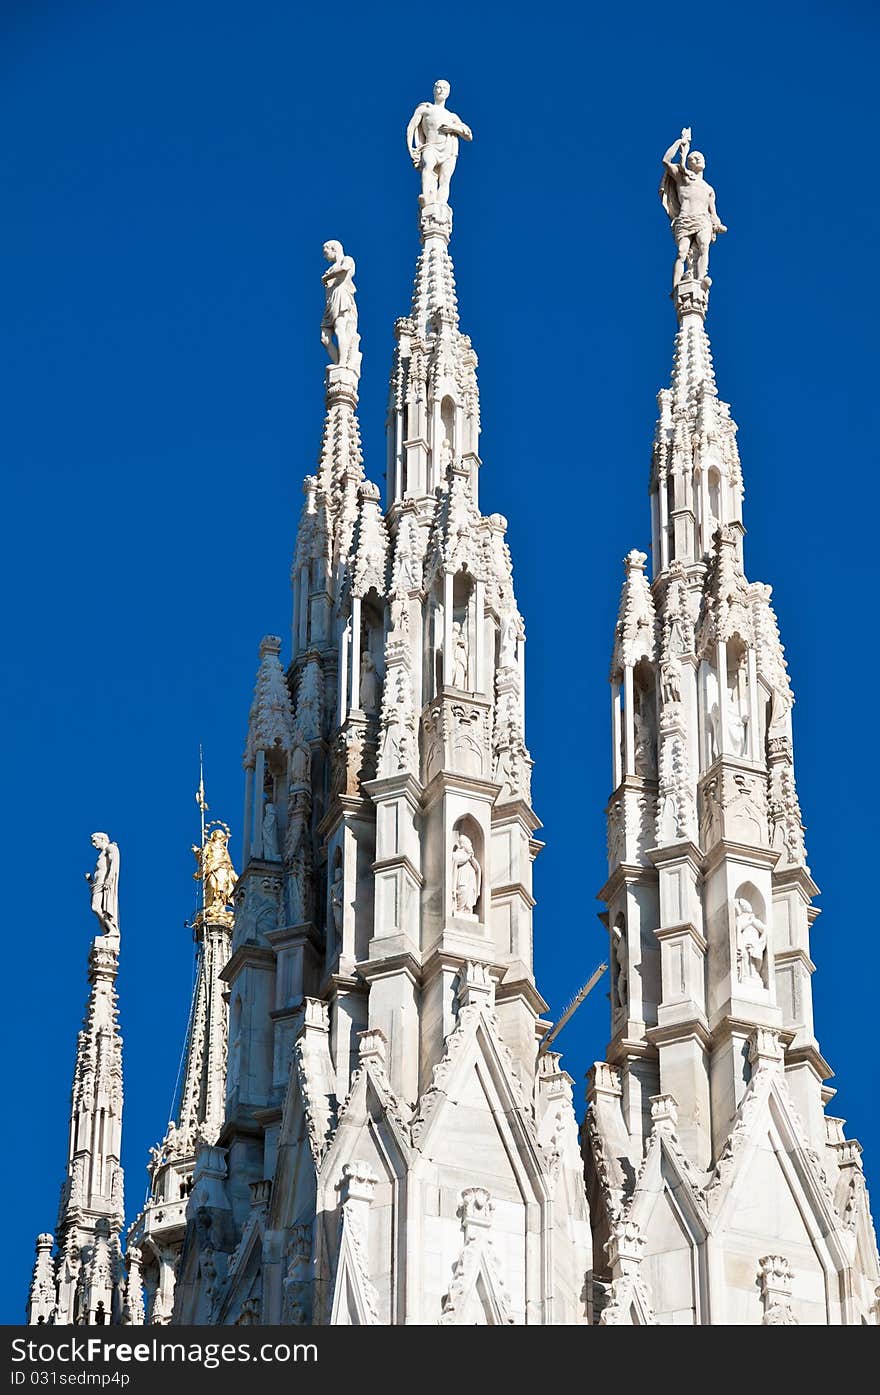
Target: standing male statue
689,202
340,311
104,883
432,138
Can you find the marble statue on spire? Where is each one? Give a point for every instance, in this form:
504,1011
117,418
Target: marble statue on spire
432,138
689,201
340,312
104,884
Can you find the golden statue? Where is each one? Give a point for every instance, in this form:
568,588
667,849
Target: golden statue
215,870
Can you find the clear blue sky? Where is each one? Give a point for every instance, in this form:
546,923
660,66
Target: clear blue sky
169,173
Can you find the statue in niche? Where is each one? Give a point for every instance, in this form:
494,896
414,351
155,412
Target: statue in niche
432,138
369,683
336,904
270,833
215,870
300,764
737,726
751,943
689,202
714,732
104,884
340,312
621,980
507,648
459,656
467,877
446,456
643,752
670,680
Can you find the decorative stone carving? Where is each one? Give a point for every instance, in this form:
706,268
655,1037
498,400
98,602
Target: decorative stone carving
340,312
467,877
104,884
271,719
751,944
432,138
689,202
774,1272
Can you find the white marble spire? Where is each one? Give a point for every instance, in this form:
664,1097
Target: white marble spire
87,1266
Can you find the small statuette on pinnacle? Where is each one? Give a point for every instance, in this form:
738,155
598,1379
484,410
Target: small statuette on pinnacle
432,138
340,312
104,884
689,202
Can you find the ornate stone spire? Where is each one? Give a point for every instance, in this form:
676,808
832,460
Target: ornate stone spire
156,1236
87,1270
708,894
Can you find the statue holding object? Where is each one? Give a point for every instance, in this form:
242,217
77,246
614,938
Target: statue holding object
689,202
340,312
432,138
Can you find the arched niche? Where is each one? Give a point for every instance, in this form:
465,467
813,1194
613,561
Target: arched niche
335,904
371,653
750,938
620,966
738,697
645,720
714,482
468,881
464,632
447,423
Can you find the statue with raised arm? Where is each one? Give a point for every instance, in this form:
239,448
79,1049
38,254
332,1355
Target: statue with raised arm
104,884
689,202
340,312
432,138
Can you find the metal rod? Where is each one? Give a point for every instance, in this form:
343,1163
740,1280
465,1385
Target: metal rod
572,1007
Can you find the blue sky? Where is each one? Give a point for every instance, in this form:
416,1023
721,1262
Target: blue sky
169,173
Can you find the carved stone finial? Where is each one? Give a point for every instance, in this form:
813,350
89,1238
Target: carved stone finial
477,985
765,1050
372,1046
664,1113
477,1207
357,1183
774,1272
432,138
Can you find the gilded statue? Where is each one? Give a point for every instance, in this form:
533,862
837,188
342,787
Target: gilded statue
215,870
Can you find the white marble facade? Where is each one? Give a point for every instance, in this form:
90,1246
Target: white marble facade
369,1132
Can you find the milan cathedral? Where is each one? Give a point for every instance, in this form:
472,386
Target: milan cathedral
372,1128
